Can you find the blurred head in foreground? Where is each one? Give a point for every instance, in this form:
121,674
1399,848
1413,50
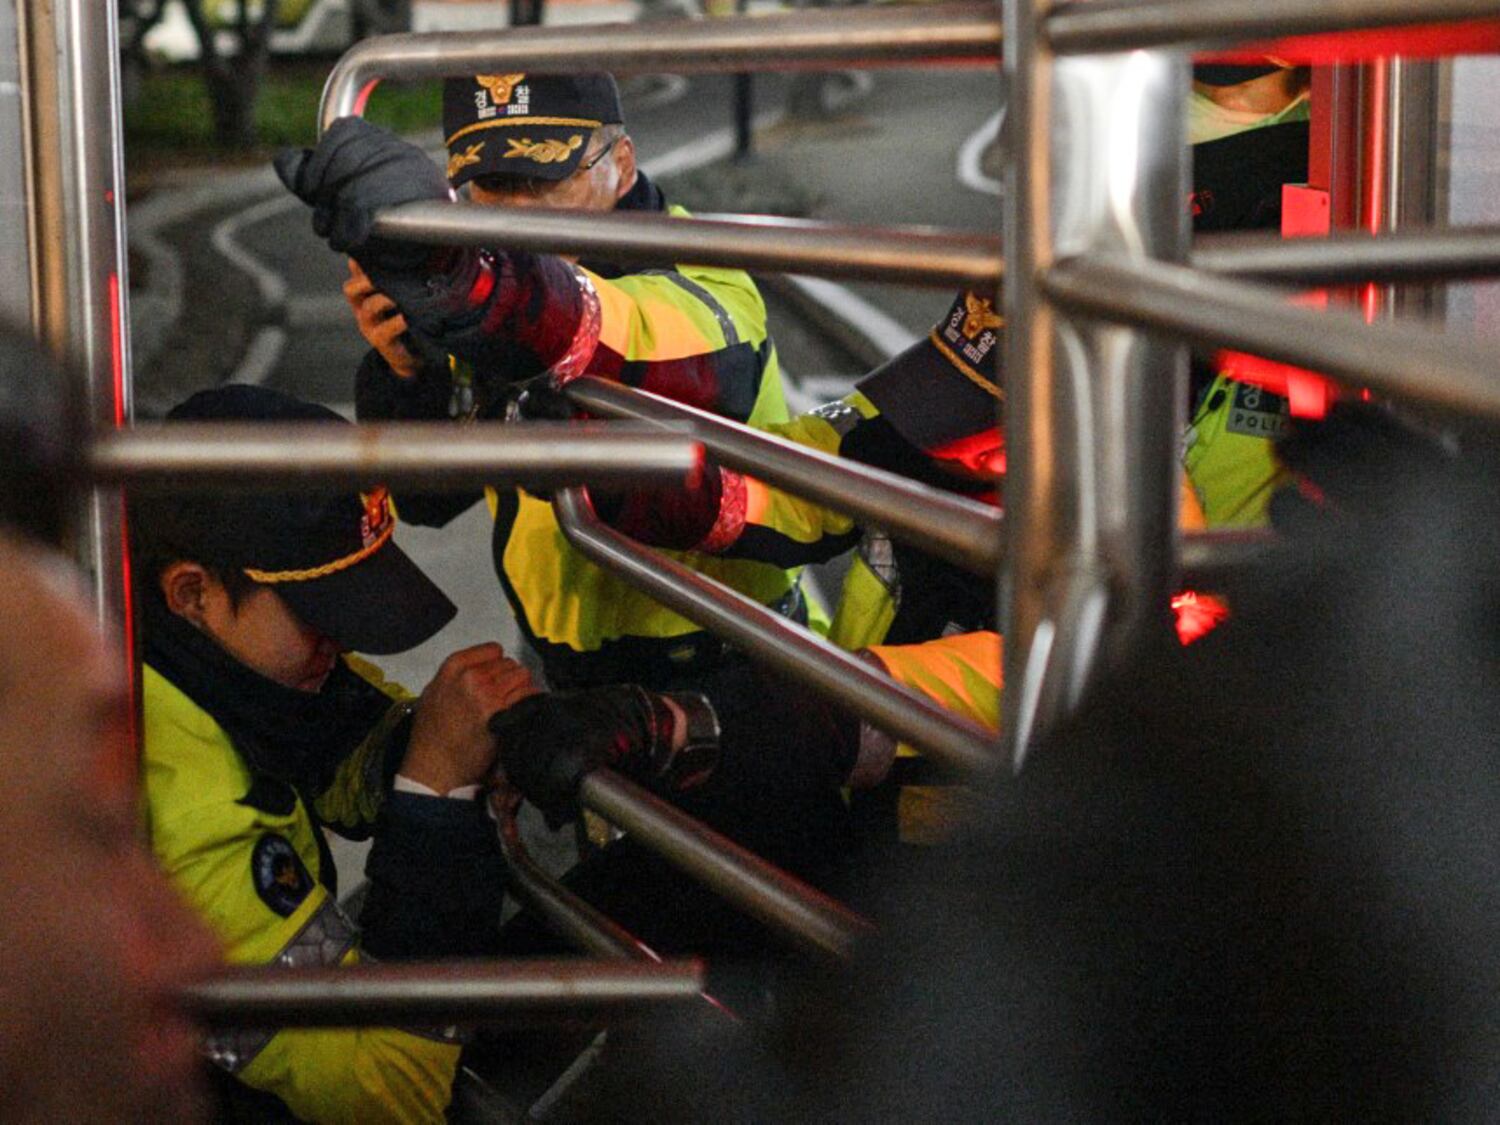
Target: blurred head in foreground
1257,879
94,941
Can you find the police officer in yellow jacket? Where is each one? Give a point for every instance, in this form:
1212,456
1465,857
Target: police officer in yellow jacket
259,732
452,331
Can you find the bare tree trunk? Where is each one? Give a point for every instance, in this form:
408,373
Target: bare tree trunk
233,80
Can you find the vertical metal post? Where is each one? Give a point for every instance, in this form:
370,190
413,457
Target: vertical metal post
1412,184
744,103
1093,411
15,212
1333,162
1035,467
80,281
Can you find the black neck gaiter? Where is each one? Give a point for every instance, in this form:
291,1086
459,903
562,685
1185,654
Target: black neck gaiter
293,736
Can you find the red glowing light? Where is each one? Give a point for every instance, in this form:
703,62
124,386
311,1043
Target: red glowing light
1197,615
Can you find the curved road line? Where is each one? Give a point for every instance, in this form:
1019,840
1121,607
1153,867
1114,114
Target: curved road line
971,155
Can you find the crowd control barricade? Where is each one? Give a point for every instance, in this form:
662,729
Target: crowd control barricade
1100,292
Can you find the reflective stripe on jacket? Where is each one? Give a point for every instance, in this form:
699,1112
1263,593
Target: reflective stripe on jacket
695,335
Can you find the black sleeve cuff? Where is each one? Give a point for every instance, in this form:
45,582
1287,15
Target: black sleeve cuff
436,880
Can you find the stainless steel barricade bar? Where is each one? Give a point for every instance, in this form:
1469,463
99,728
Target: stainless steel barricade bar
766,635
915,255
569,916
1412,255
1090,26
741,877
1209,559
873,36
962,531
1410,361
1093,435
258,455
523,992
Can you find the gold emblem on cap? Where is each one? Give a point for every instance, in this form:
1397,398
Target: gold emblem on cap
543,152
980,315
500,86
463,159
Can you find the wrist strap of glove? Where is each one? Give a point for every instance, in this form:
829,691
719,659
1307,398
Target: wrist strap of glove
573,362
685,739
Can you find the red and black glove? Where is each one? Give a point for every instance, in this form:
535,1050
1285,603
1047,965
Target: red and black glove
549,742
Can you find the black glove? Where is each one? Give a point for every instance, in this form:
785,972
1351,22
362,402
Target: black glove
357,170
548,742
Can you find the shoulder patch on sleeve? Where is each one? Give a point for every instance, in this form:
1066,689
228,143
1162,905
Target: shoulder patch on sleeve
281,878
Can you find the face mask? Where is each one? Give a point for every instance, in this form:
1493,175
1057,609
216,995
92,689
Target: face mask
1209,121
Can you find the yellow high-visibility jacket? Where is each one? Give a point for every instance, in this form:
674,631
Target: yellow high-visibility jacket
694,334
253,865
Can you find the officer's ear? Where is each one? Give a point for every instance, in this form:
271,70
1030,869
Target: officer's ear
185,587
624,158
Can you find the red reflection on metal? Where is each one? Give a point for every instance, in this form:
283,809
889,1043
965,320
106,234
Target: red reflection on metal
1374,171
1308,393
127,592
1198,615
128,638
1421,41
117,348
363,98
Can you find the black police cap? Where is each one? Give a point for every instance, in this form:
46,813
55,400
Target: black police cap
328,554
528,126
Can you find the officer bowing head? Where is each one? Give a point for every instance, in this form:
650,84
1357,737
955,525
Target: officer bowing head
284,582
260,732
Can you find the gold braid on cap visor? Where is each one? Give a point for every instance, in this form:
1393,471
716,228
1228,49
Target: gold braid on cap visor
526,120
274,576
964,368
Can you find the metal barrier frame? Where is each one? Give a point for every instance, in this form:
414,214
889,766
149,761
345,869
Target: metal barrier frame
1093,390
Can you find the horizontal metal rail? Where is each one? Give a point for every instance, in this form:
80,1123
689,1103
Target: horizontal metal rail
569,916
872,36
1412,255
1408,361
767,636
909,255
519,993
964,532
765,892
262,455
1081,27
1209,560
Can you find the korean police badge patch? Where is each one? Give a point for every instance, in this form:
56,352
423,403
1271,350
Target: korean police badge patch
280,877
1258,413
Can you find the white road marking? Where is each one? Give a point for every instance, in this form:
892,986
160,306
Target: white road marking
971,153
262,356
224,238
318,310
887,333
705,150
